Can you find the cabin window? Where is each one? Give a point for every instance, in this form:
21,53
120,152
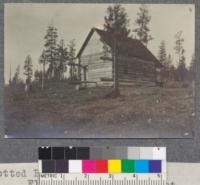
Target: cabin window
125,68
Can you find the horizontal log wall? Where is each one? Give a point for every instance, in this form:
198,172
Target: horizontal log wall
97,74
133,68
96,67
128,68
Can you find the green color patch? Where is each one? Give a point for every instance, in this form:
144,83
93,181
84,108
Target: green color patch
127,166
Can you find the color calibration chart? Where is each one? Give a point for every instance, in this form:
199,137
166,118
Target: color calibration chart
102,165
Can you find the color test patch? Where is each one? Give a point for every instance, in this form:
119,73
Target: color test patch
141,166
114,166
83,153
127,166
88,166
48,166
75,166
44,153
61,166
101,166
133,152
159,153
155,166
58,153
96,153
146,153
70,153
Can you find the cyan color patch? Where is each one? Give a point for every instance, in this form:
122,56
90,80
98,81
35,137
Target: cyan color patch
141,166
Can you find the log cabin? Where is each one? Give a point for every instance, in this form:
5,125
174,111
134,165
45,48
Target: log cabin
134,62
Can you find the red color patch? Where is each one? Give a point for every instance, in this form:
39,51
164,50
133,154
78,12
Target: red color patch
101,166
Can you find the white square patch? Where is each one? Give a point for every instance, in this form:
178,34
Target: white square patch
159,153
75,166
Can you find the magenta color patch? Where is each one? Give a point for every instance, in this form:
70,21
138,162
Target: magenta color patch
88,166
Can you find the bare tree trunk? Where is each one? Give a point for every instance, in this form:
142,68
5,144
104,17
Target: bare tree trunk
43,76
116,80
70,72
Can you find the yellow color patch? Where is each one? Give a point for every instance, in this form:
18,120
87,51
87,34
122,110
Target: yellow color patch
114,166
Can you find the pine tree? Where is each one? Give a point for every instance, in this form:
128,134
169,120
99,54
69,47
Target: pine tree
43,61
162,55
16,78
116,20
180,51
28,71
50,49
192,68
62,57
71,55
173,73
178,45
142,22
170,68
181,69
169,61
38,75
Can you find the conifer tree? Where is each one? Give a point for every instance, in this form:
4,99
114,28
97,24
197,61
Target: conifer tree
28,71
142,23
178,45
16,78
43,61
162,55
192,68
71,57
116,20
50,49
62,57
181,69
180,51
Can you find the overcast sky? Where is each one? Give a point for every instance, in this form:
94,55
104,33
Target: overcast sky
26,25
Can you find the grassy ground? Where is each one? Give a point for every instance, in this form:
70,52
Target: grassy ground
61,111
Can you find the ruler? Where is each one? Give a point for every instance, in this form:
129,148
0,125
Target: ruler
102,179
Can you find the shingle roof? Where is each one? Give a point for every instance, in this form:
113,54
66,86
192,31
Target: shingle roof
126,46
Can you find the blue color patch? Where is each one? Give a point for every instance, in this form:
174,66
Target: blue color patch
141,166
155,166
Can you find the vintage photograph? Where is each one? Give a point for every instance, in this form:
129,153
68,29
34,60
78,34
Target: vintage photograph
99,70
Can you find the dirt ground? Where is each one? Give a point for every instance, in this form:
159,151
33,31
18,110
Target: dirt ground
63,112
